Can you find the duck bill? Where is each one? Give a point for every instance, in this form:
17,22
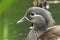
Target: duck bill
22,20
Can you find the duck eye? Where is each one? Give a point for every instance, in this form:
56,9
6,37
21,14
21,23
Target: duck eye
32,14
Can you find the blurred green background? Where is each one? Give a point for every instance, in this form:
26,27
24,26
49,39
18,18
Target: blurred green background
11,11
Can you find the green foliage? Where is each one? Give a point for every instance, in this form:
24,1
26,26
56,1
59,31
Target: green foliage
11,11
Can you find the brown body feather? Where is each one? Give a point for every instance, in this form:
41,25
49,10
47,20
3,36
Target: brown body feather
53,33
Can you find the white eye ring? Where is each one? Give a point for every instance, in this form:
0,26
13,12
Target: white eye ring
32,14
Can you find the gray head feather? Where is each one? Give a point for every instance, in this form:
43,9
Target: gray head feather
40,11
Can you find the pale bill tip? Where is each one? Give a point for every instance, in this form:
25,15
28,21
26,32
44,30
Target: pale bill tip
19,21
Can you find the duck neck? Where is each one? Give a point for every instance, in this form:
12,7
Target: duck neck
40,27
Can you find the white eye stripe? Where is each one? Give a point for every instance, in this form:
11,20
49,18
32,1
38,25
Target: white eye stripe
32,14
36,15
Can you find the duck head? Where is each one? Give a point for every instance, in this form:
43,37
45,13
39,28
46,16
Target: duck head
39,16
